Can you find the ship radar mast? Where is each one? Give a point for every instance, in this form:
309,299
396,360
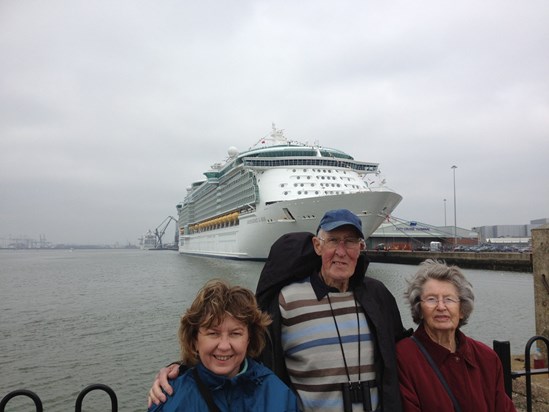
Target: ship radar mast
277,136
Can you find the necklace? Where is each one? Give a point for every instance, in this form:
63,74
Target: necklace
341,342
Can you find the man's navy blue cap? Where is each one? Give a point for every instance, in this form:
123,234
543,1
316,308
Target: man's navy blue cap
333,219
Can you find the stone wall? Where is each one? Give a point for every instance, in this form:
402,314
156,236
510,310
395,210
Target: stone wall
540,396
540,269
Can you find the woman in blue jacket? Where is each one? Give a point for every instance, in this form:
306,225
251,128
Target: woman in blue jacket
220,334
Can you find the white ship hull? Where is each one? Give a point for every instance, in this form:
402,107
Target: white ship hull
244,205
257,231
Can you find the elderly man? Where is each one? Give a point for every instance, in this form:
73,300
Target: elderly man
334,329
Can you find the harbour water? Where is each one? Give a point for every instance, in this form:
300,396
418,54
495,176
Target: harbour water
73,318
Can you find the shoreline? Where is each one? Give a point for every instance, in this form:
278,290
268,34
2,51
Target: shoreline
508,261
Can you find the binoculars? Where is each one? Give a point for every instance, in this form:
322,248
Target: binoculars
356,392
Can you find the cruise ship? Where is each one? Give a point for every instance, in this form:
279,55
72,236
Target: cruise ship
277,186
148,241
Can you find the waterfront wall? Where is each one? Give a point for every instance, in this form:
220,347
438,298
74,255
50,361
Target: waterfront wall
515,262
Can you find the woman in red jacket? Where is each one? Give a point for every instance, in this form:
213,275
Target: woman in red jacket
441,369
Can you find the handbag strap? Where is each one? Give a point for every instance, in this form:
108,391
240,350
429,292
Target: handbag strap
205,392
457,408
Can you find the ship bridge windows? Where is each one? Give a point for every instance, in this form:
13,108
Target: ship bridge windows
310,161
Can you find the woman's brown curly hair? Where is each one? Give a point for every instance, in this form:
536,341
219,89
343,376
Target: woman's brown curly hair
215,301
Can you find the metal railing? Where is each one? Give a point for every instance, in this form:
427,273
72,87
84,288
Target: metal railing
503,349
79,399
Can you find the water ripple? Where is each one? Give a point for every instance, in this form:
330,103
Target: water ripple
70,319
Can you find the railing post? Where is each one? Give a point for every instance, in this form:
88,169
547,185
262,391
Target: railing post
528,370
503,349
25,392
99,386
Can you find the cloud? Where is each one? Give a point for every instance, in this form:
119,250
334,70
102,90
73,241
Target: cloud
109,110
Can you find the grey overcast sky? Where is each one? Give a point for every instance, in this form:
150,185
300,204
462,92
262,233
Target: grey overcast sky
109,109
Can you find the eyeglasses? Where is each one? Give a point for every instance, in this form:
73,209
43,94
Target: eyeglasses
349,243
447,301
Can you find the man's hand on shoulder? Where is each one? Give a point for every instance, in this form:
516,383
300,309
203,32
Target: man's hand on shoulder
161,385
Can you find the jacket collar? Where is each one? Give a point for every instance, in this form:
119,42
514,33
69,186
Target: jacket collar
321,289
440,354
249,375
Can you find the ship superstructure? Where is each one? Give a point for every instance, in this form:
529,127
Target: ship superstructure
277,186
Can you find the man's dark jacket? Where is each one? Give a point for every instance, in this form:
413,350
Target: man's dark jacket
292,257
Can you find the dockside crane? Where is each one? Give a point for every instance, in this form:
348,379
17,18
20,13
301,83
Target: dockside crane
161,229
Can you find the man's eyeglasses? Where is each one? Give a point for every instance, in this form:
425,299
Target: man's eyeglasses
349,243
447,301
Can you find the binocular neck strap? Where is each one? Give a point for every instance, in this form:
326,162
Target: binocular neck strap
341,342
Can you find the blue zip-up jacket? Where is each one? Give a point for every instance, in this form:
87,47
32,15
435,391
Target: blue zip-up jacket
255,389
